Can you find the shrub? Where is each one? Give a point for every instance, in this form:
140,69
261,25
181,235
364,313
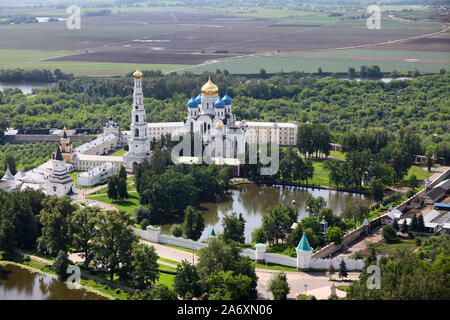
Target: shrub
144,224
358,255
410,193
60,265
392,198
418,241
389,233
176,230
259,236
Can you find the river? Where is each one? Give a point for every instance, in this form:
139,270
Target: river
251,200
21,284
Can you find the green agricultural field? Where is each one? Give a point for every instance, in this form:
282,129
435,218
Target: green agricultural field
333,22
334,61
34,59
10,58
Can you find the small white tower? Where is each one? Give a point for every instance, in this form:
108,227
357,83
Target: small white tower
304,252
139,141
59,182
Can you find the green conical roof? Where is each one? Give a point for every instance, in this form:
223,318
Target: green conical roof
213,233
303,245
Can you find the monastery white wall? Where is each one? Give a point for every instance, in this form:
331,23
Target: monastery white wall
153,234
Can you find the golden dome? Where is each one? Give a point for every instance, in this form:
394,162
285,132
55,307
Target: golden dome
210,88
219,125
137,74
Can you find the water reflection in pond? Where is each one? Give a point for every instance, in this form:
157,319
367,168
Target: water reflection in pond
251,200
21,284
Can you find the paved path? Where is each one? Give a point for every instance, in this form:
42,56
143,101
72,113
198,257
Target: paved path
297,281
361,244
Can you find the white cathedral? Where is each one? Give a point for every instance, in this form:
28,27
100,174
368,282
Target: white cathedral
208,115
138,140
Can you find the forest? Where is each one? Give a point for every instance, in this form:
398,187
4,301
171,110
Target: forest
420,105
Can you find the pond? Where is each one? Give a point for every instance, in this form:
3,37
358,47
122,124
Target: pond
25,87
21,284
251,200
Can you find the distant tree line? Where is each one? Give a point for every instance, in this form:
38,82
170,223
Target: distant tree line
33,75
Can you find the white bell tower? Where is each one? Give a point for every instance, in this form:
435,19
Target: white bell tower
139,141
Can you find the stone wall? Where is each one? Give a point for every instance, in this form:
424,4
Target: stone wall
355,234
153,234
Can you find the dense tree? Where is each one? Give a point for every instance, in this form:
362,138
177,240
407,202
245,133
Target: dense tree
55,219
343,270
176,230
187,282
221,256
60,265
334,234
376,190
194,223
113,192
356,211
113,242
160,292
315,204
277,222
404,227
9,161
144,265
168,193
83,229
225,285
8,242
122,192
259,235
389,233
405,276
234,227
279,286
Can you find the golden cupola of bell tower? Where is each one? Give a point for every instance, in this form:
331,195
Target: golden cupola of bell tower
65,145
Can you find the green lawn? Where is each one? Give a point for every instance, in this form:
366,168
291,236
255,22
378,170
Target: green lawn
166,268
320,174
166,279
337,154
274,267
104,191
120,152
127,205
382,247
169,261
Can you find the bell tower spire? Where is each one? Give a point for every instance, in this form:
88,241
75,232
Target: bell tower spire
139,141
